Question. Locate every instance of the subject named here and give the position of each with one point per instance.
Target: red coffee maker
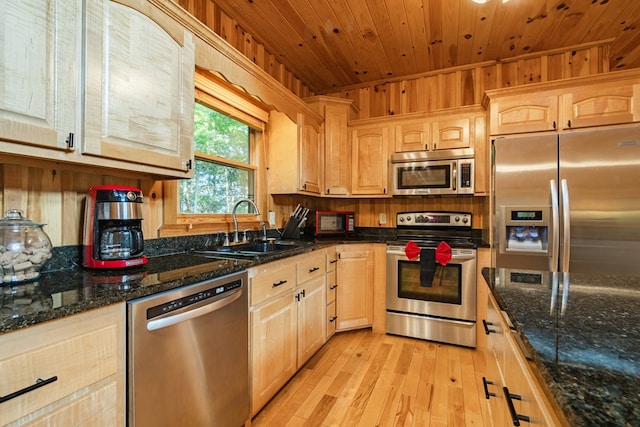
(113, 227)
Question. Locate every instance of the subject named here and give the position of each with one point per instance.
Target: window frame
(214, 92)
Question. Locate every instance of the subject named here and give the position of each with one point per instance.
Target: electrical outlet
(272, 218)
(382, 218)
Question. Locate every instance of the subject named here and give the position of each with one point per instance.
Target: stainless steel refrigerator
(567, 258)
(569, 202)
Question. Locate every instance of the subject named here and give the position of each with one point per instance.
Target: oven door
(451, 295)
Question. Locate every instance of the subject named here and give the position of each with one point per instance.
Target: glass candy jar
(24, 248)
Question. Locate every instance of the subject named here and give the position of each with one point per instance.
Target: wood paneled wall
(226, 27)
(54, 194)
(464, 86)
(368, 210)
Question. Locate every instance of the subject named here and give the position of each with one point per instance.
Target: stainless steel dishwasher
(188, 355)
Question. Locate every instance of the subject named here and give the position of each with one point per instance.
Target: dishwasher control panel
(195, 298)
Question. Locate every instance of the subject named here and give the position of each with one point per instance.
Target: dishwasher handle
(164, 322)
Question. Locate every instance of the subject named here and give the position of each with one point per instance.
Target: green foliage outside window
(217, 185)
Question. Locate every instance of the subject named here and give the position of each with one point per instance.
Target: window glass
(223, 147)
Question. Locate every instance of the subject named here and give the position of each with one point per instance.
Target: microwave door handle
(566, 235)
(454, 175)
(555, 227)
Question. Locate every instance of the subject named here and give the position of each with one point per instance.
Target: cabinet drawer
(332, 259)
(270, 280)
(331, 287)
(79, 350)
(310, 266)
(331, 318)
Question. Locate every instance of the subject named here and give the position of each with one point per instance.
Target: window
(223, 172)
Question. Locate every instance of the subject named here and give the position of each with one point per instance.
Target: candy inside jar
(24, 248)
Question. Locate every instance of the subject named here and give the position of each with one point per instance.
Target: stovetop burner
(428, 228)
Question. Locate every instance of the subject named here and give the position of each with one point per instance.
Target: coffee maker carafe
(113, 227)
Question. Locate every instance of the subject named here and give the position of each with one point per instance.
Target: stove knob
(408, 217)
(465, 220)
(401, 219)
(457, 219)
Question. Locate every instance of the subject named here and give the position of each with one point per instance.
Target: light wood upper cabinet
(39, 74)
(532, 112)
(294, 156)
(82, 356)
(412, 136)
(603, 99)
(139, 85)
(452, 133)
(601, 104)
(337, 113)
(310, 160)
(370, 153)
(129, 106)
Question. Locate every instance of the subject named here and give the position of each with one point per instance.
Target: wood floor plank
(372, 379)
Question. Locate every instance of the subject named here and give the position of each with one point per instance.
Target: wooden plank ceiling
(336, 44)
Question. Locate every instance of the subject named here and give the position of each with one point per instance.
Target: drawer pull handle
(512, 409)
(486, 383)
(281, 282)
(486, 327)
(333, 319)
(39, 383)
(333, 261)
(311, 270)
(333, 287)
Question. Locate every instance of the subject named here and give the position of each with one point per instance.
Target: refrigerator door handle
(566, 237)
(555, 229)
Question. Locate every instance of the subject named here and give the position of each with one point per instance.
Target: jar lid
(13, 219)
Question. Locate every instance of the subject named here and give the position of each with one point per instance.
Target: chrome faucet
(235, 219)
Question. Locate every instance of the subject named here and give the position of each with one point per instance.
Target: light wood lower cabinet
(83, 357)
(354, 297)
(511, 387)
(287, 320)
(273, 348)
(332, 286)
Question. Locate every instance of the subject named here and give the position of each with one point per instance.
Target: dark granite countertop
(67, 288)
(585, 341)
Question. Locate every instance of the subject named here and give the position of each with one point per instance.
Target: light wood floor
(362, 378)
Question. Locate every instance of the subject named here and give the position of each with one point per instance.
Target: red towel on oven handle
(443, 253)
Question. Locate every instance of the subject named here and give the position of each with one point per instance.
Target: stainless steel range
(426, 299)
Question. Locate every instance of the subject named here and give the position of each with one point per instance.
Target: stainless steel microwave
(432, 172)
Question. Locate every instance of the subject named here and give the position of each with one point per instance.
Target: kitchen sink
(252, 249)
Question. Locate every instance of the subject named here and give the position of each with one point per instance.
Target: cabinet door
(524, 113)
(451, 133)
(526, 397)
(312, 319)
(39, 72)
(84, 357)
(139, 86)
(310, 159)
(354, 297)
(413, 136)
(337, 154)
(273, 348)
(603, 104)
(370, 147)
